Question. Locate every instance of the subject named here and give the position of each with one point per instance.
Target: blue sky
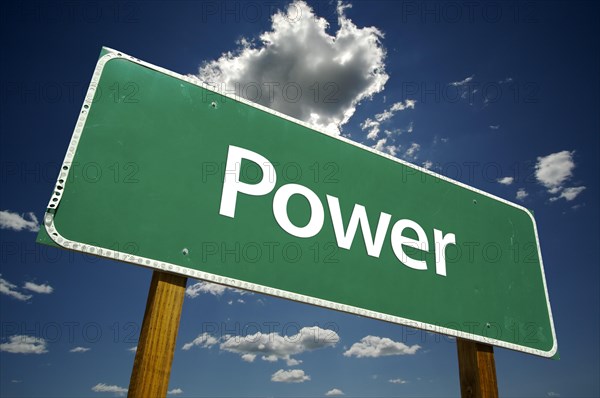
(501, 96)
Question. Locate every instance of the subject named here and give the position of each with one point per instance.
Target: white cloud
(175, 391)
(411, 152)
(373, 126)
(132, 349)
(495, 127)
(374, 347)
(553, 170)
(427, 164)
(14, 221)
(10, 290)
(335, 392)
(522, 194)
(199, 288)
(80, 349)
(462, 82)
(299, 69)
(568, 194)
(398, 106)
(204, 340)
(196, 289)
(101, 387)
(41, 289)
(381, 146)
(270, 347)
(397, 381)
(506, 180)
(22, 344)
(290, 376)
(293, 362)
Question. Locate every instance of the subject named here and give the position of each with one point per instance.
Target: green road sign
(164, 172)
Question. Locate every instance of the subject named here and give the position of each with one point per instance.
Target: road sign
(165, 172)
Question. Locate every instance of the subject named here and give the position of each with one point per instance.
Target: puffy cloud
(80, 349)
(427, 164)
(101, 387)
(204, 340)
(374, 347)
(301, 70)
(553, 170)
(335, 392)
(271, 347)
(22, 344)
(290, 376)
(175, 391)
(17, 222)
(397, 381)
(11, 290)
(41, 289)
(522, 194)
(506, 180)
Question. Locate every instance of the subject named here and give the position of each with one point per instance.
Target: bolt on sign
(166, 172)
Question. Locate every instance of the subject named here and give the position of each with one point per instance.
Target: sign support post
(156, 346)
(477, 370)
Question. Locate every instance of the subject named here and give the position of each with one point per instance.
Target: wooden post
(156, 346)
(477, 370)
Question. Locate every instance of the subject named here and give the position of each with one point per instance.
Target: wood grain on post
(477, 370)
(156, 346)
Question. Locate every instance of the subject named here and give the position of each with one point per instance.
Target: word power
(344, 237)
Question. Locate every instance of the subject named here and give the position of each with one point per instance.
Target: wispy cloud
(569, 194)
(382, 147)
(304, 71)
(199, 288)
(428, 164)
(290, 376)
(374, 347)
(18, 222)
(411, 152)
(10, 289)
(80, 349)
(397, 381)
(41, 289)
(204, 340)
(132, 349)
(463, 81)
(22, 344)
(495, 126)
(373, 127)
(101, 387)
